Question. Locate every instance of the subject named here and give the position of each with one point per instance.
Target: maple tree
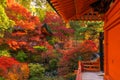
(22, 16)
(9, 69)
(57, 25)
(6, 63)
(68, 62)
(27, 30)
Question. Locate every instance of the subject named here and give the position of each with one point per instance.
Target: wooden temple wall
(112, 42)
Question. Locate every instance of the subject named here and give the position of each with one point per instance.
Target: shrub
(34, 78)
(11, 69)
(52, 78)
(70, 76)
(20, 72)
(51, 42)
(21, 56)
(1, 78)
(36, 71)
(6, 63)
(4, 53)
(24, 71)
(40, 48)
(35, 58)
(53, 64)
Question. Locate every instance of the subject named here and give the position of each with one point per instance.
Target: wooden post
(101, 37)
(79, 75)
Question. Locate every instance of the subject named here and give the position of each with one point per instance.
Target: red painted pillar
(79, 74)
(112, 42)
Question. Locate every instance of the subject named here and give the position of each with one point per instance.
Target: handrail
(93, 66)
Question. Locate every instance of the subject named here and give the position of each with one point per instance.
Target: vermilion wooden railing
(92, 66)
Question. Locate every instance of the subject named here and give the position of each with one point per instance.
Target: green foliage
(93, 29)
(86, 30)
(35, 58)
(51, 40)
(36, 71)
(21, 56)
(40, 12)
(40, 48)
(74, 24)
(3, 3)
(53, 64)
(70, 76)
(5, 53)
(35, 78)
(37, 7)
(47, 78)
(53, 78)
(25, 3)
(5, 22)
(1, 78)
(78, 29)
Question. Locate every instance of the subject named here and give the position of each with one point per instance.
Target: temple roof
(81, 9)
